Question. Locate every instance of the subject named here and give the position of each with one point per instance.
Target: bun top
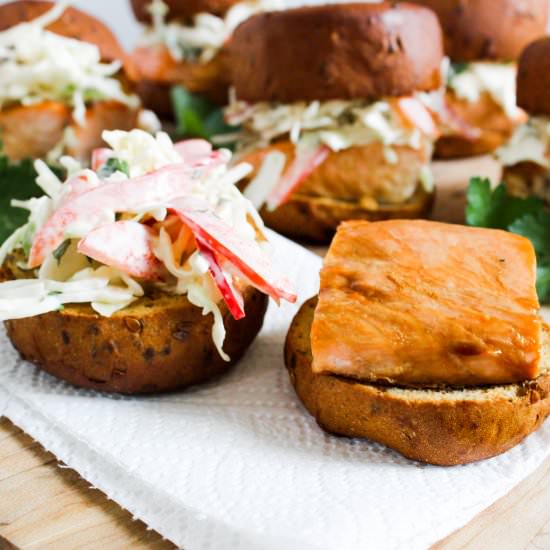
(72, 24)
(533, 82)
(343, 51)
(183, 9)
(477, 30)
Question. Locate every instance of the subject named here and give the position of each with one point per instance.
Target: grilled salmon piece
(155, 64)
(31, 131)
(418, 303)
(358, 173)
(104, 115)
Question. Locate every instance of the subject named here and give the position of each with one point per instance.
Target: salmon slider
(483, 39)
(425, 337)
(185, 43)
(526, 158)
(63, 83)
(147, 273)
(325, 100)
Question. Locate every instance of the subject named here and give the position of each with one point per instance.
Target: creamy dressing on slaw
(201, 40)
(74, 278)
(529, 143)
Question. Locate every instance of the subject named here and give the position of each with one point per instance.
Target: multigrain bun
(355, 183)
(72, 24)
(495, 128)
(476, 30)
(183, 9)
(443, 427)
(533, 82)
(159, 343)
(341, 51)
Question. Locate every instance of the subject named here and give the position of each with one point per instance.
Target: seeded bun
(72, 24)
(476, 30)
(444, 427)
(343, 51)
(159, 343)
(533, 82)
(183, 9)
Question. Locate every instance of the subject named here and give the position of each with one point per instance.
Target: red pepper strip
(124, 245)
(306, 161)
(247, 257)
(231, 296)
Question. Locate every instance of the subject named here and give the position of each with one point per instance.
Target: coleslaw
(149, 213)
(318, 127)
(529, 143)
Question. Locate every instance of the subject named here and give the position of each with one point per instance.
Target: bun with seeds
(332, 124)
(425, 337)
(147, 273)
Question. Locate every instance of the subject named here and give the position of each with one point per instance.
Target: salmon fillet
(32, 131)
(419, 303)
(357, 173)
(155, 64)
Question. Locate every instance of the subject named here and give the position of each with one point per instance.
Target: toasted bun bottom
(456, 426)
(355, 183)
(155, 345)
(154, 66)
(496, 128)
(528, 178)
(316, 219)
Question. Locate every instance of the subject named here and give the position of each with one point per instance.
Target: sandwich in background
(526, 157)
(185, 45)
(64, 81)
(425, 337)
(483, 39)
(325, 97)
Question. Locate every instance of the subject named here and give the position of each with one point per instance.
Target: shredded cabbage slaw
(86, 263)
(326, 125)
(529, 143)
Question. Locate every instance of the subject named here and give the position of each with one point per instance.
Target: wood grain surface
(44, 505)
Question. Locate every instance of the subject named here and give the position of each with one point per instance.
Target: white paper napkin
(239, 464)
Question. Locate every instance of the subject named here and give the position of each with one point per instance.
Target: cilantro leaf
(196, 116)
(523, 216)
(113, 165)
(17, 181)
(59, 252)
(495, 208)
(536, 227)
(543, 283)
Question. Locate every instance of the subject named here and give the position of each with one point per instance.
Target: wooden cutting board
(44, 505)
